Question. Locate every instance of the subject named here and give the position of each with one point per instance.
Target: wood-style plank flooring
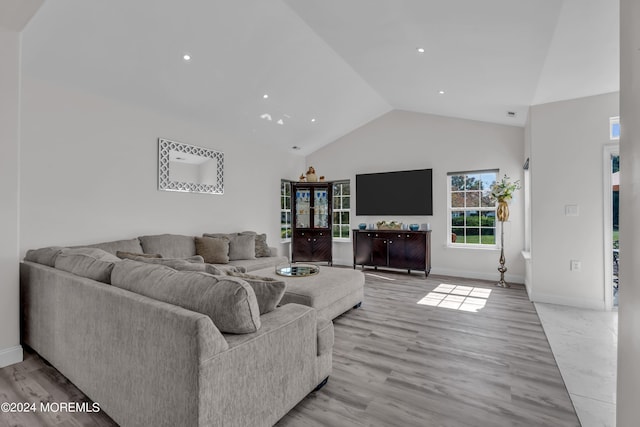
(449, 361)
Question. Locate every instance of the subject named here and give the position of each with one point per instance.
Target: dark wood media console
(402, 249)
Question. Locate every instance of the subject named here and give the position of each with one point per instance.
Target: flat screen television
(395, 193)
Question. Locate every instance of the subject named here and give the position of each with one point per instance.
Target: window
(285, 210)
(472, 214)
(341, 209)
(614, 128)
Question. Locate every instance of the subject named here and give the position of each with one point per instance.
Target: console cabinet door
(397, 250)
(416, 251)
(321, 246)
(363, 248)
(379, 252)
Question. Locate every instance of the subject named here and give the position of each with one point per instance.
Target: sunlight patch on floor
(380, 277)
(454, 297)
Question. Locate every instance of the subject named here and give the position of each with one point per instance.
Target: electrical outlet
(575, 265)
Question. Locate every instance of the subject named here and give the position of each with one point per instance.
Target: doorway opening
(611, 224)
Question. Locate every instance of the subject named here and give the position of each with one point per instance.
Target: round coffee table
(297, 270)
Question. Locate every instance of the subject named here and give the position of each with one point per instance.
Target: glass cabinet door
(303, 208)
(321, 208)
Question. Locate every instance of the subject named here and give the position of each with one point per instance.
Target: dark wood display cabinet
(407, 250)
(311, 223)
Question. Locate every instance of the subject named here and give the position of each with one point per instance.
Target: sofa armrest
(278, 366)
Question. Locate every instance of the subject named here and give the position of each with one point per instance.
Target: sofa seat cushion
(325, 335)
(229, 302)
(128, 245)
(92, 263)
(46, 256)
(269, 291)
(249, 265)
(169, 245)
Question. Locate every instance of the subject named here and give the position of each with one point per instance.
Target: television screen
(395, 193)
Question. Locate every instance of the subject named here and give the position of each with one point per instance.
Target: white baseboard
(9, 356)
(509, 278)
(569, 301)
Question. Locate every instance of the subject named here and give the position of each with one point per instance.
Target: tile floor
(584, 343)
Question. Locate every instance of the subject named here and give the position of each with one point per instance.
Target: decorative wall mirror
(187, 168)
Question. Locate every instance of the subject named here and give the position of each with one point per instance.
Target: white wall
(10, 350)
(567, 142)
(628, 410)
(89, 173)
(403, 140)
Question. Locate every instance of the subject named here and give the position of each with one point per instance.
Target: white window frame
(283, 211)
(339, 210)
(451, 209)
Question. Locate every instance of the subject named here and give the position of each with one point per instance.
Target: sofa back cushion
(46, 256)
(169, 245)
(92, 263)
(229, 302)
(129, 245)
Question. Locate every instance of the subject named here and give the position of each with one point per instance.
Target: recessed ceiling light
(295, 147)
(186, 57)
(441, 92)
(313, 120)
(511, 114)
(265, 96)
(420, 50)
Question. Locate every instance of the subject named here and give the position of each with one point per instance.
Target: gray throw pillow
(92, 263)
(45, 256)
(268, 291)
(229, 302)
(242, 247)
(181, 264)
(214, 250)
(262, 248)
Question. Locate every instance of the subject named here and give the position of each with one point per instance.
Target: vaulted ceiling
(326, 67)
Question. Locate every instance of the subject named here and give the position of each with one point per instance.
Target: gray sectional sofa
(156, 346)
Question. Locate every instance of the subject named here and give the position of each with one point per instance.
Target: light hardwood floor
(397, 363)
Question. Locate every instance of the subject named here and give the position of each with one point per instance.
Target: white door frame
(609, 151)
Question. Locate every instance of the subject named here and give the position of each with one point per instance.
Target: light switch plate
(571, 210)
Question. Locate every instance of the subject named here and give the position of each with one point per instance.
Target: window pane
(457, 219)
(457, 182)
(337, 189)
(336, 217)
(488, 219)
(473, 182)
(459, 235)
(472, 218)
(487, 180)
(336, 230)
(344, 217)
(473, 199)
(488, 236)
(282, 203)
(346, 189)
(345, 231)
(346, 203)
(457, 200)
(485, 201)
(336, 202)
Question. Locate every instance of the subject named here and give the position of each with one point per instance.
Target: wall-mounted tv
(395, 193)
